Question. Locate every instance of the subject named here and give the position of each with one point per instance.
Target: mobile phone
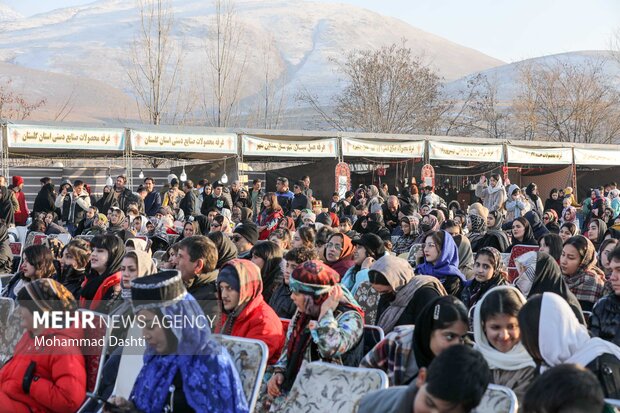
(106, 404)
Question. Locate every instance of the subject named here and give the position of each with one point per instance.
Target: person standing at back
(21, 214)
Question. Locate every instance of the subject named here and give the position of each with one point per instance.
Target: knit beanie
(229, 275)
(249, 231)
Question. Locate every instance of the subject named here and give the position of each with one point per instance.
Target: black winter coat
(605, 320)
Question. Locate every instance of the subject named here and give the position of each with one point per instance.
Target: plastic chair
(330, 388)
(7, 305)
(613, 403)
(16, 248)
(5, 278)
(587, 315)
(130, 365)
(368, 299)
(498, 399)
(517, 251)
(372, 336)
(250, 358)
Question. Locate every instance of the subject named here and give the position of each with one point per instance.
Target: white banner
(540, 156)
(466, 152)
(321, 148)
(378, 149)
(43, 137)
(225, 143)
(596, 157)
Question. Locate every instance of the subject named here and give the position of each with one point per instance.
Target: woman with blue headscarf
(441, 260)
(184, 369)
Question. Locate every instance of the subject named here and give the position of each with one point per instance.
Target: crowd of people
(305, 276)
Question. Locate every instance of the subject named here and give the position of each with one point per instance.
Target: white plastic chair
(330, 388)
(250, 358)
(498, 399)
(7, 305)
(130, 365)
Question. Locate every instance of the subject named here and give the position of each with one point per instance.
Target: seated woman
(100, 225)
(567, 230)
(596, 232)
(244, 311)
(489, 272)
(75, 258)
(583, 277)
(184, 370)
(304, 237)
(226, 249)
(50, 378)
(52, 227)
(268, 257)
(466, 256)
(552, 244)
(367, 249)
(498, 338)
(550, 219)
(441, 260)
(339, 253)
(403, 352)
(521, 233)
(103, 278)
(402, 295)
(270, 216)
(281, 301)
(409, 226)
(604, 253)
(478, 233)
(37, 262)
(282, 237)
(552, 335)
(328, 326)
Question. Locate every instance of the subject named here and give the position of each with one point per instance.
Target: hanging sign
(385, 149)
(428, 176)
(466, 152)
(320, 148)
(596, 157)
(43, 137)
(540, 156)
(142, 141)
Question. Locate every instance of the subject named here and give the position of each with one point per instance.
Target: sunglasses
(236, 239)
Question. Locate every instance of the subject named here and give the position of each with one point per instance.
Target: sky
(510, 30)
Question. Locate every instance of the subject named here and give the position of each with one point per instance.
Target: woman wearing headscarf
(493, 195)
(489, 272)
(516, 204)
(335, 335)
(339, 253)
(596, 232)
(402, 295)
(554, 202)
(498, 337)
(45, 200)
(540, 273)
(429, 223)
(268, 257)
(550, 219)
(569, 214)
(184, 368)
(405, 351)
(366, 251)
(49, 378)
(244, 311)
(203, 224)
(226, 249)
(552, 335)
(583, 277)
(117, 225)
(533, 198)
(479, 236)
(522, 233)
(409, 225)
(103, 276)
(73, 262)
(107, 200)
(441, 260)
(6, 256)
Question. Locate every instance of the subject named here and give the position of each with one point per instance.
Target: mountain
(506, 77)
(8, 14)
(93, 41)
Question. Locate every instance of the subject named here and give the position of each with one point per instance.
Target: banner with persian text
(320, 148)
(43, 137)
(465, 152)
(142, 141)
(596, 157)
(378, 149)
(540, 156)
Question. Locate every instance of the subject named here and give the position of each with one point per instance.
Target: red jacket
(102, 292)
(270, 222)
(60, 376)
(22, 216)
(257, 320)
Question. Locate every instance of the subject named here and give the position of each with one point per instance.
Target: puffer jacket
(605, 320)
(282, 303)
(58, 380)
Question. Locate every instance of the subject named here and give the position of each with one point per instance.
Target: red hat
(17, 180)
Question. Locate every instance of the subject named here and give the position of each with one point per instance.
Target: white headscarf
(498, 186)
(517, 358)
(562, 340)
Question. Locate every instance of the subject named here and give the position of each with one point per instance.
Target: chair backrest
(10, 334)
(331, 388)
(498, 399)
(64, 238)
(586, 316)
(517, 251)
(372, 336)
(85, 237)
(285, 323)
(368, 299)
(5, 278)
(250, 358)
(22, 231)
(16, 248)
(95, 356)
(613, 403)
(7, 305)
(130, 365)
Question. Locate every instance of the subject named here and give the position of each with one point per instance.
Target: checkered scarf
(588, 284)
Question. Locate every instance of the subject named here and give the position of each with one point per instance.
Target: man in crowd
(300, 201)
(123, 195)
(152, 201)
(431, 198)
(78, 203)
(285, 196)
(256, 197)
(188, 202)
(218, 199)
(235, 190)
(245, 236)
(197, 260)
(390, 212)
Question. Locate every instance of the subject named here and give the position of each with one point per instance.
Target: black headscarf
(226, 249)
(116, 252)
(203, 224)
(539, 229)
(528, 235)
(529, 191)
(44, 202)
(548, 279)
(106, 201)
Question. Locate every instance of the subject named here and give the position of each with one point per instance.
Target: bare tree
(568, 102)
(226, 62)
(388, 90)
(156, 60)
(14, 105)
(66, 107)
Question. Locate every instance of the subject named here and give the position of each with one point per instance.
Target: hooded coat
(44, 202)
(253, 317)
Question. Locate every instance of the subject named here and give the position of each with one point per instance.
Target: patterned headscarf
(315, 280)
(45, 294)
(524, 281)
